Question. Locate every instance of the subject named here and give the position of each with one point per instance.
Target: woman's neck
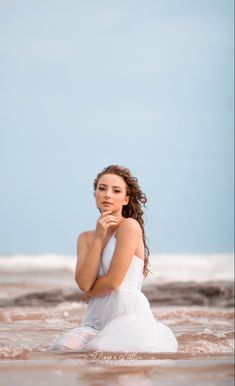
(119, 216)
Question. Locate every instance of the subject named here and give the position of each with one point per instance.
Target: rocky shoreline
(212, 294)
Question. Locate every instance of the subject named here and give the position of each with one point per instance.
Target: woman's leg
(74, 339)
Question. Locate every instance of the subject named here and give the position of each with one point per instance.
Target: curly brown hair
(133, 208)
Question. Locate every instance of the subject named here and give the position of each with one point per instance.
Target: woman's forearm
(87, 273)
(101, 287)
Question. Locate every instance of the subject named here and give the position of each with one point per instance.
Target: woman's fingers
(105, 212)
(105, 221)
(85, 297)
(107, 217)
(110, 219)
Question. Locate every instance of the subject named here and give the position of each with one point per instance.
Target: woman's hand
(105, 221)
(85, 297)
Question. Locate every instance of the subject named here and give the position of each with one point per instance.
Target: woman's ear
(127, 199)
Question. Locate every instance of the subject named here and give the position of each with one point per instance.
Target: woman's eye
(101, 188)
(117, 191)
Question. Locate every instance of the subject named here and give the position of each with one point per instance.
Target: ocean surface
(173, 267)
(192, 294)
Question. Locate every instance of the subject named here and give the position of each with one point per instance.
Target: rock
(216, 294)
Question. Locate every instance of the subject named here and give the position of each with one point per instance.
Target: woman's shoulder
(130, 224)
(86, 236)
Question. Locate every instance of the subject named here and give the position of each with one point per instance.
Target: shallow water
(205, 355)
(199, 330)
(205, 336)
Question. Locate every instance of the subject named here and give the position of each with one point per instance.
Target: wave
(200, 331)
(165, 267)
(193, 347)
(207, 343)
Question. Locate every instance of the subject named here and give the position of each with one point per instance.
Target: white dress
(121, 321)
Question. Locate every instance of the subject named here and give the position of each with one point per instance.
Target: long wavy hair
(134, 207)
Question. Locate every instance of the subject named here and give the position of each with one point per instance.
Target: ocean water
(39, 299)
(165, 268)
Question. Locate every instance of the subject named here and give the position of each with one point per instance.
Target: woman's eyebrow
(114, 186)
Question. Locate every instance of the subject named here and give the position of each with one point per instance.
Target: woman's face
(110, 193)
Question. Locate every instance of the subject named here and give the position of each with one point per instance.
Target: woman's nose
(107, 193)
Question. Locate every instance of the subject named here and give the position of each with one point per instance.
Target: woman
(111, 262)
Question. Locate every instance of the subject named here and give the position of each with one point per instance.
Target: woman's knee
(74, 339)
(59, 347)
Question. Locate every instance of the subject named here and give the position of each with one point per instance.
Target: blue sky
(144, 84)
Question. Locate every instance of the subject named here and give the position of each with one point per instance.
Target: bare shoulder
(130, 225)
(85, 237)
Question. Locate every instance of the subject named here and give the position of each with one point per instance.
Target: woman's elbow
(114, 282)
(81, 285)
(83, 288)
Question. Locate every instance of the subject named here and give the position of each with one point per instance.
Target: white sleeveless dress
(121, 321)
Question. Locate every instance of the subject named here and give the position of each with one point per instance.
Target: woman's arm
(88, 254)
(127, 240)
(87, 261)
(101, 287)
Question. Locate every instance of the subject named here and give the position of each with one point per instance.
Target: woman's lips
(107, 203)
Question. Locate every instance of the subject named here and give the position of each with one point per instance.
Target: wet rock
(216, 294)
